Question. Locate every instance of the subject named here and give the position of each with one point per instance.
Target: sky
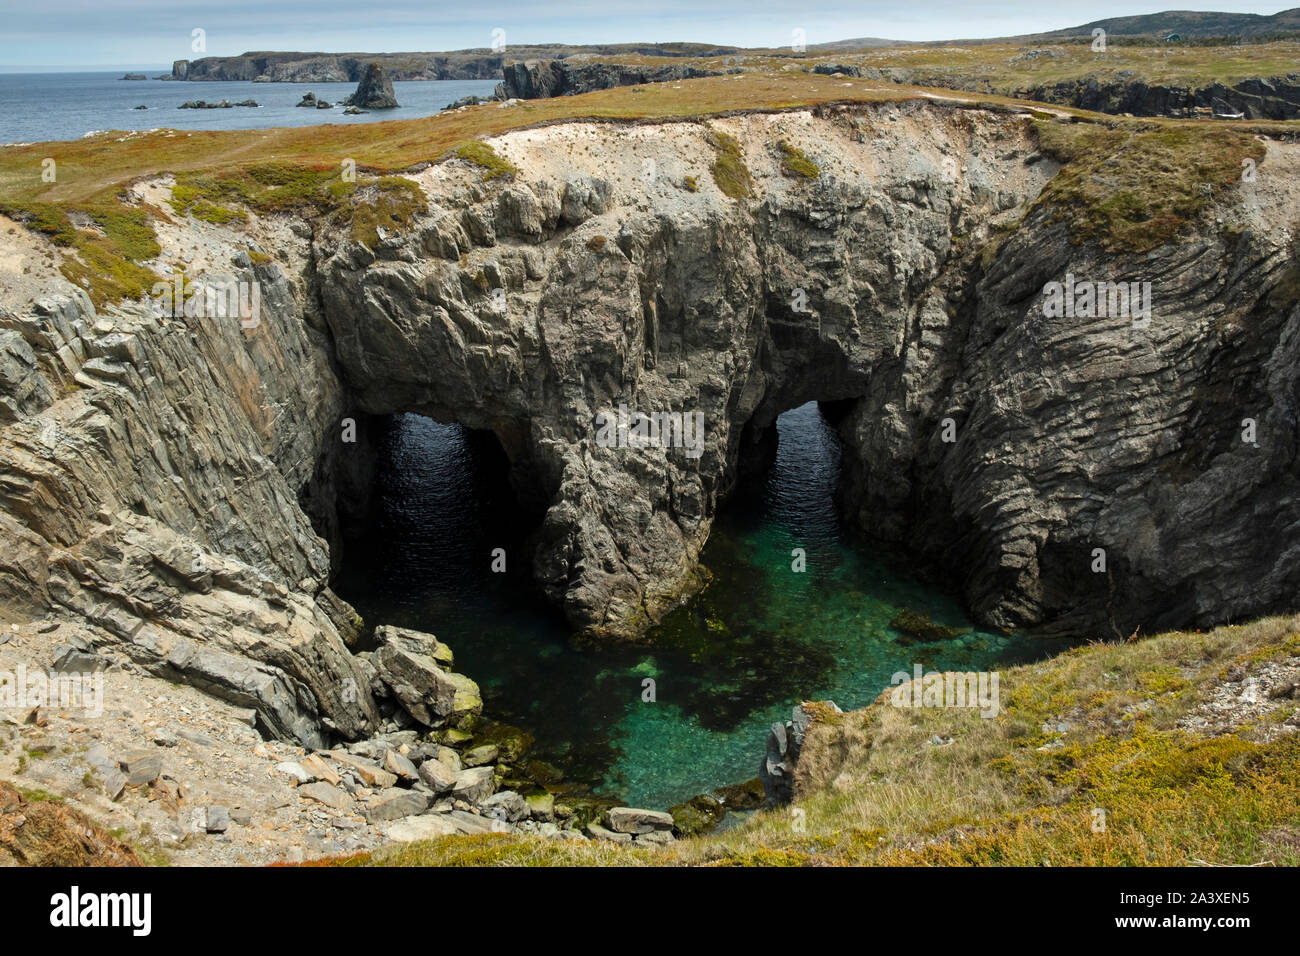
(152, 33)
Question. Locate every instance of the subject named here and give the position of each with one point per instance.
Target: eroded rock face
(531, 307)
(374, 91)
(598, 277)
(150, 475)
(540, 79)
(157, 477)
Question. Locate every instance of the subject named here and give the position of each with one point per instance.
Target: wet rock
(914, 626)
(698, 815)
(480, 756)
(742, 796)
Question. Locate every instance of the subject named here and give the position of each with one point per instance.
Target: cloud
(87, 32)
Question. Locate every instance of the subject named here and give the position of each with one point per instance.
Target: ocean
(35, 107)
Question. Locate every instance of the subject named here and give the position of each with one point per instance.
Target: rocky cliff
(1272, 98)
(539, 79)
(477, 64)
(156, 476)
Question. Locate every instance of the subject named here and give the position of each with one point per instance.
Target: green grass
(729, 170)
(221, 175)
(795, 163)
(37, 795)
(104, 255)
(486, 158)
(1132, 187)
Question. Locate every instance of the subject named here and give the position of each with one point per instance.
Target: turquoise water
(761, 638)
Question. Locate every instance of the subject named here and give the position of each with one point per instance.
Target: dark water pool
(761, 638)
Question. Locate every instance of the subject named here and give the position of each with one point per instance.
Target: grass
(104, 253)
(1132, 187)
(486, 158)
(1094, 729)
(221, 175)
(795, 163)
(729, 170)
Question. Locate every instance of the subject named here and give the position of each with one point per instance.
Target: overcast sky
(150, 33)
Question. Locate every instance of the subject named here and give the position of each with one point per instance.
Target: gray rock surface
(178, 486)
(374, 91)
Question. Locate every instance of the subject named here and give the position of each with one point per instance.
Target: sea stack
(374, 92)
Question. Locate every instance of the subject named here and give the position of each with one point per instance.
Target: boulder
(597, 832)
(372, 775)
(632, 820)
(394, 804)
(508, 804)
(217, 819)
(320, 770)
(470, 823)
(295, 772)
(742, 796)
(324, 793)
(698, 815)
(473, 784)
(426, 827)
(438, 775)
(141, 768)
(407, 663)
(541, 805)
(395, 763)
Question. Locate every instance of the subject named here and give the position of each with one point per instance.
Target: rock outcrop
(1274, 98)
(539, 79)
(453, 65)
(374, 92)
(157, 476)
(557, 296)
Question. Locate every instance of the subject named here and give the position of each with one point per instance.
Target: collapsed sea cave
(798, 608)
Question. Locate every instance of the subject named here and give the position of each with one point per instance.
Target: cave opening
(796, 610)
